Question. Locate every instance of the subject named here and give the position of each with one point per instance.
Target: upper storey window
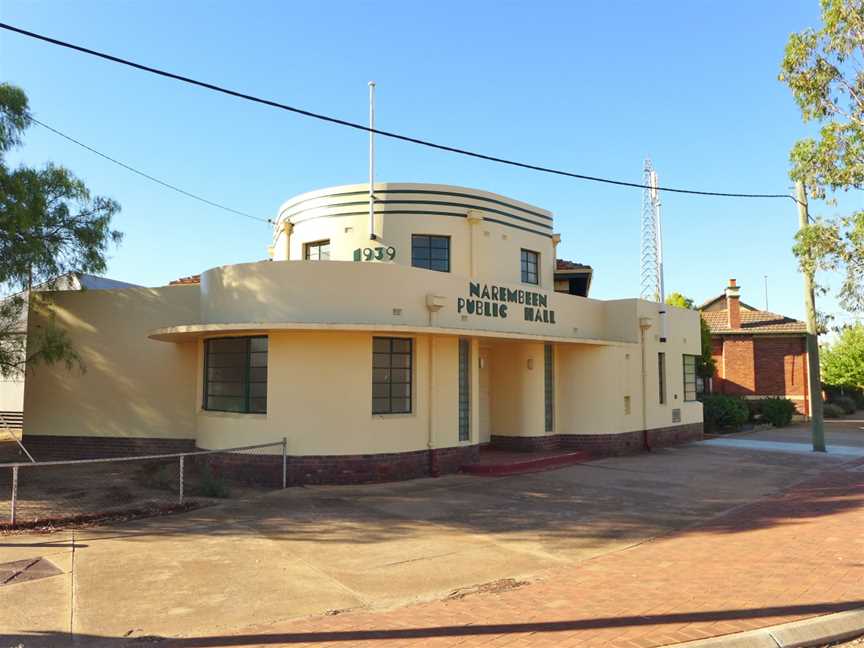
(430, 252)
(530, 263)
(317, 251)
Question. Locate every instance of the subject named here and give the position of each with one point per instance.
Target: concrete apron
(309, 551)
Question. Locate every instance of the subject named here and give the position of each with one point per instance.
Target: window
(430, 252)
(391, 375)
(661, 369)
(689, 377)
(530, 262)
(317, 251)
(235, 375)
(464, 389)
(549, 386)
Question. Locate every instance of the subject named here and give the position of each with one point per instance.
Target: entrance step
(496, 463)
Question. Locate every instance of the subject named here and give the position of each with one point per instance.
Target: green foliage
(724, 411)
(831, 411)
(824, 69)
(50, 225)
(211, 485)
(778, 411)
(842, 363)
(845, 403)
(679, 301)
(705, 364)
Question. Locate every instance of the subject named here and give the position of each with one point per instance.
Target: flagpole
(372, 235)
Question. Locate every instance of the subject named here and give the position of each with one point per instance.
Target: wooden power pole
(813, 373)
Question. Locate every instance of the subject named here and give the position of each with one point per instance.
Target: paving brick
(758, 565)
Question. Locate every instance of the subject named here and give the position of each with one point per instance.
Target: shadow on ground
(60, 640)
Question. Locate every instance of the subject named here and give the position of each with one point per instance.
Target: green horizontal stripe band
(421, 191)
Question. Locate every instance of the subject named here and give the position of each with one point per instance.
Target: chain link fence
(53, 492)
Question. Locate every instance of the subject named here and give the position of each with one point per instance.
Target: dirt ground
(52, 494)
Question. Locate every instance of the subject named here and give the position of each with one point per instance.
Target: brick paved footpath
(791, 556)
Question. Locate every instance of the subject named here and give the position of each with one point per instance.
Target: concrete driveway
(312, 551)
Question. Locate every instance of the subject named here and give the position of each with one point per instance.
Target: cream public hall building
(377, 358)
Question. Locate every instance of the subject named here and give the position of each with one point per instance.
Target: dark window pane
(400, 390)
(401, 345)
(391, 387)
(381, 345)
(235, 376)
(380, 360)
(225, 403)
(380, 405)
(400, 375)
(430, 252)
(228, 345)
(401, 405)
(225, 373)
(529, 261)
(226, 389)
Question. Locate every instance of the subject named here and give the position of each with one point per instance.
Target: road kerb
(816, 631)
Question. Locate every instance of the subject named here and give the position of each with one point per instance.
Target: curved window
(235, 374)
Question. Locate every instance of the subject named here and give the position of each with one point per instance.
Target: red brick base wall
(265, 468)
(603, 445)
(525, 443)
(343, 469)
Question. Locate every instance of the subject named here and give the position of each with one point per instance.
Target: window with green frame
(464, 389)
(689, 362)
(392, 360)
(235, 375)
(549, 386)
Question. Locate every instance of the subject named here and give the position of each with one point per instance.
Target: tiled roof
(753, 322)
(183, 281)
(563, 264)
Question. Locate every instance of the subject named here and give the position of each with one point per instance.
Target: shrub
(778, 411)
(755, 408)
(724, 411)
(211, 485)
(845, 403)
(830, 410)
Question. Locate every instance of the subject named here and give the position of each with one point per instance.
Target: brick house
(757, 353)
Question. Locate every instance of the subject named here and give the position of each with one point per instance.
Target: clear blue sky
(592, 87)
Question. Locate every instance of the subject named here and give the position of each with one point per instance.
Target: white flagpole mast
(372, 235)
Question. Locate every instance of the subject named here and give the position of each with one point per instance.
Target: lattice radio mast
(651, 276)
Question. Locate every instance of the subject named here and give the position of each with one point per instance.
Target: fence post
(284, 462)
(182, 457)
(14, 494)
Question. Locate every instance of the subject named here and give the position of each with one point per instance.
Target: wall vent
(676, 415)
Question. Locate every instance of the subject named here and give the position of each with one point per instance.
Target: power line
(383, 133)
(147, 175)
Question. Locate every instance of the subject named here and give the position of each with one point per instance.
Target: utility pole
(812, 340)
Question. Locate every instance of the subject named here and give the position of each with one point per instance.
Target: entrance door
(485, 403)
